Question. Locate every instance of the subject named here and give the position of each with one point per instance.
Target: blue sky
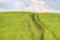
(53, 4)
(30, 5)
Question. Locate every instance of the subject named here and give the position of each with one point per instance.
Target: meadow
(29, 26)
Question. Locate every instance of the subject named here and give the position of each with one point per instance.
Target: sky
(30, 5)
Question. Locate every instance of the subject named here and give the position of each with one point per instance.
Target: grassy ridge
(29, 26)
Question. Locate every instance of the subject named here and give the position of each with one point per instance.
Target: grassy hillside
(29, 26)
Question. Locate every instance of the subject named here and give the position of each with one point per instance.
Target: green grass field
(29, 26)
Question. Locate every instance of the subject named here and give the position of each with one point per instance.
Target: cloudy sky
(30, 5)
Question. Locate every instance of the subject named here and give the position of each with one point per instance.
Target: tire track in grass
(54, 35)
(41, 26)
(38, 26)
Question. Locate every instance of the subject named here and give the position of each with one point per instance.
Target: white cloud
(36, 6)
(39, 6)
(35, 1)
(33, 8)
